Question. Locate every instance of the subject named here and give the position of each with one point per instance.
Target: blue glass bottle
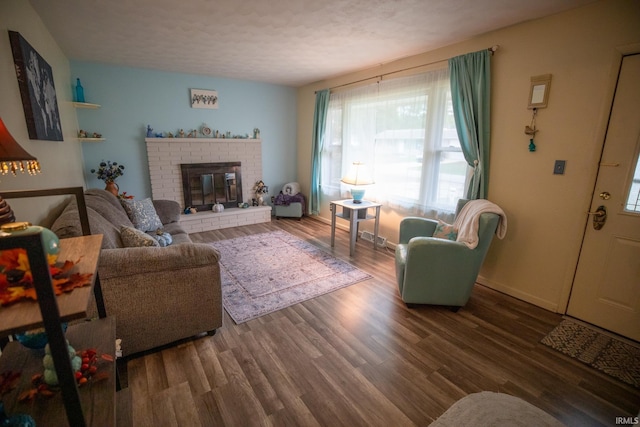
(79, 91)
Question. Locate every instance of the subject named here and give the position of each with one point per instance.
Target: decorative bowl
(37, 338)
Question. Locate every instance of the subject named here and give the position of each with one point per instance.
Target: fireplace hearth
(205, 184)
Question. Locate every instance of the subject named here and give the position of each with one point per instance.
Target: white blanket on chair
(468, 220)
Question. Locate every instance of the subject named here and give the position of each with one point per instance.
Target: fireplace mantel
(152, 140)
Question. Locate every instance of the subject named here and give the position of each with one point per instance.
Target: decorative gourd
(50, 375)
(217, 208)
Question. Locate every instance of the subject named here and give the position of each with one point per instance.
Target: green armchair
(438, 271)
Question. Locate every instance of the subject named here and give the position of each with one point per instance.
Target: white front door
(606, 288)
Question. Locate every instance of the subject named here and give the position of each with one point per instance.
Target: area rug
(266, 272)
(489, 409)
(612, 356)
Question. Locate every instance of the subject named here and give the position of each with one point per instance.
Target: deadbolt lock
(605, 195)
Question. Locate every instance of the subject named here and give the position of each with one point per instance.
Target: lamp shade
(13, 157)
(358, 175)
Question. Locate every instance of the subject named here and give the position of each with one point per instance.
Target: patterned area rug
(266, 272)
(614, 357)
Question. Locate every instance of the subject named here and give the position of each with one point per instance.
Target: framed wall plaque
(201, 98)
(539, 91)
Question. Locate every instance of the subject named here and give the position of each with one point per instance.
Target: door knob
(599, 217)
(605, 195)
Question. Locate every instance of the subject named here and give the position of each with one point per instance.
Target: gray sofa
(157, 294)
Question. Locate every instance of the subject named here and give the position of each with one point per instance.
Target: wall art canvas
(37, 90)
(204, 99)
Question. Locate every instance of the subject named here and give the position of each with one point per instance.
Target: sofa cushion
(107, 205)
(68, 225)
(134, 238)
(142, 214)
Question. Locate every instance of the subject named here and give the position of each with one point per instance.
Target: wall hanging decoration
(201, 98)
(539, 91)
(531, 130)
(538, 98)
(37, 90)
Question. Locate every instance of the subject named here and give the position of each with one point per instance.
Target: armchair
(438, 271)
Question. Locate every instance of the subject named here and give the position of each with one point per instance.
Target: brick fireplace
(165, 156)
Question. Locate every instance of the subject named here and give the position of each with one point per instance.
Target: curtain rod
(491, 49)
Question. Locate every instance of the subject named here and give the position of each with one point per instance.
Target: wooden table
(94, 404)
(354, 213)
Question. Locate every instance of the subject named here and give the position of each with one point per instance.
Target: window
(633, 198)
(404, 131)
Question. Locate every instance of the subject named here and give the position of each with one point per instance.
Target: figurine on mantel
(256, 133)
(261, 192)
(192, 133)
(149, 131)
(181, 134)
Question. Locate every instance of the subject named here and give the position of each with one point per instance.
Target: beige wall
(61, 162)
(546, 212)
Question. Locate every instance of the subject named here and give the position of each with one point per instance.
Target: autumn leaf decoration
(16, 281)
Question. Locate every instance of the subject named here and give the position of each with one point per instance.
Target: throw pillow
(445, 231)
(163, 238)
(134, 238)
(142, 214)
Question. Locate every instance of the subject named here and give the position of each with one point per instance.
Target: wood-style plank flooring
(359, 357)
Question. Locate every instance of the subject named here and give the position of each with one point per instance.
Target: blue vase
(79, 91)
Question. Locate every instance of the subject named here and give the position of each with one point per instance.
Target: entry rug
(612, 356)
(266, 272)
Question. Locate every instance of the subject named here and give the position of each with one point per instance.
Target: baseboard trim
(524, 296)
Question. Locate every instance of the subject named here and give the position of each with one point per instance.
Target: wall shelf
(86, 105)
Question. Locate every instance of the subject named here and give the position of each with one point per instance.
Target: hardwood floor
(359, 357)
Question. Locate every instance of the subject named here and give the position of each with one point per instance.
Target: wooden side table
(354, 213)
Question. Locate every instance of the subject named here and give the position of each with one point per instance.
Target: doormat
(266, 272)
(612, 356)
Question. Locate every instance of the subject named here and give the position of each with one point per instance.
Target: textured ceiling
(289, 42)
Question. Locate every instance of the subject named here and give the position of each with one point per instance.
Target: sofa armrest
(135, 261)
(168, 210)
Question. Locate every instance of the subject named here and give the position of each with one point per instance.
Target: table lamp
(13, 158)
(358, 176)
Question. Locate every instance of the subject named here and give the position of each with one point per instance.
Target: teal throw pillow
(142, 214)
(445, 231)
(134, 238)
(163, 238)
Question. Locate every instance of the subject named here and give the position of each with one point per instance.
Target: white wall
(61, 161)
(546, 212)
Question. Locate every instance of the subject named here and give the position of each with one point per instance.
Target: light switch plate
(558, 168)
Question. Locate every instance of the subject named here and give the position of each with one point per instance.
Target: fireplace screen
(206, 184)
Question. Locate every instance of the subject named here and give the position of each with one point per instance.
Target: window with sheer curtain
(404, 131)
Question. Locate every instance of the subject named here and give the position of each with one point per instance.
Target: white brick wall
(165, 156)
